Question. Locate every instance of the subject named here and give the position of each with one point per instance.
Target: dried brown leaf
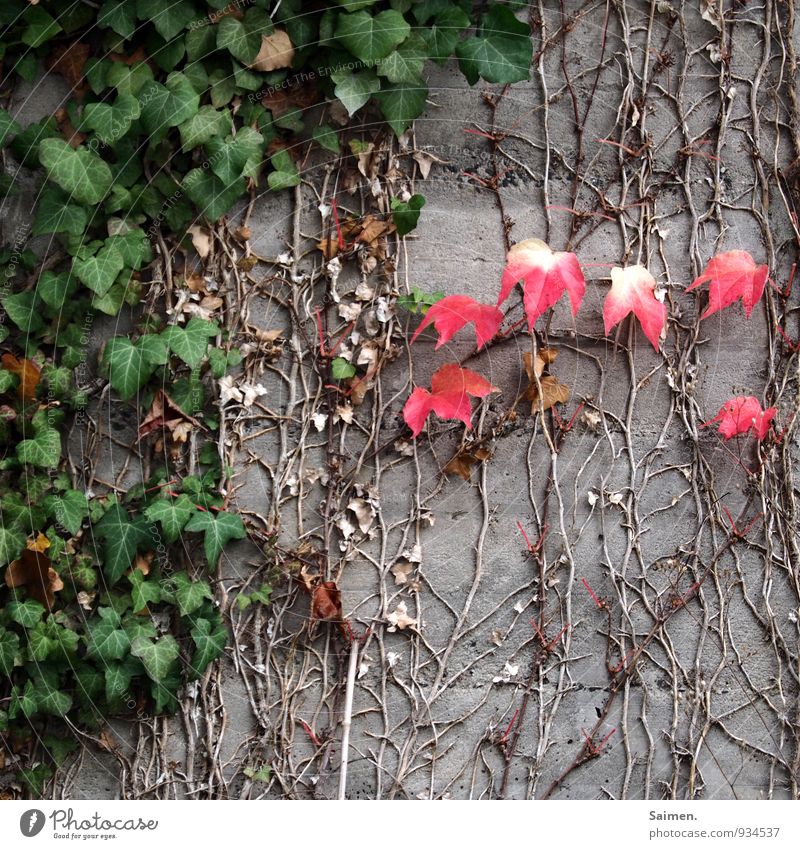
(28, 373)
(277, 51)
(33, 570)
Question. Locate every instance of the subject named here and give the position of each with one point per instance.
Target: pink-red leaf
(743, 414)
(731, 276)
(451, 387)
(450, 314)
(546, 275)
(633, 291)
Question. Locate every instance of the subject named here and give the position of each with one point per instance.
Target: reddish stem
(600, 604)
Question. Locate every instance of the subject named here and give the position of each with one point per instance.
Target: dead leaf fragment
(326, 602)
(33, 570)
(462, 461)
(399, 619)
(201, 239)
(69, 60)
(552, 391)
(277, 51)
(142, 562)
(425, 160)
(401, 571)
(165, 415)
(40, 543)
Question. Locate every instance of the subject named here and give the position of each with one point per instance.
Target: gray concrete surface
(711, 709)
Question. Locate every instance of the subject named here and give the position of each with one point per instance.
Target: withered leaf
(462, 461)
(326, 602)
(69, 60)
(165, 414)
(277, 51)
(552, 391)
(28, 373)
(33, 570)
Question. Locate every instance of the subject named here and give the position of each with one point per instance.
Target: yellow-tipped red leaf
(633, 291)
(545, 275)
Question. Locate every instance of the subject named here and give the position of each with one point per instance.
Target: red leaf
(451, 313)
(546, 276)
(743, 414)
(731, 276)
(451, 387)
(632, 292)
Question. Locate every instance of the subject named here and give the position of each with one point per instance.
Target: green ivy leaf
(51, 701)
(341, 369)
(118, 677)
(26, 613)
(189, 594)
(190, 343)
(156, 657)
(105, 639)
(119, 15)
(143, 592)
(22, 701)
(128, 79)
(401, 104)
(56, 290)
(154, 349)
(441, 36)
(81, 174)
(68, 509)
(111, 122)
(167, 106)
(41, 26)
(406, 214)
(405, 64)
(238, 39)
(210, 194)
(326, 137)
(236, 156)
(123, 537)
(9, 651)
(171, 515)
(8, 128)
(371, 38)
(501, 53)
(49, 640)
(210, 642)
(354, 90)
(54, 214)
(44, 450)
(133, 246)
(99, 272)
(128, 365)
(206, 124)
(22, 310)
(218, 531)
(168, 18)
(285, 174)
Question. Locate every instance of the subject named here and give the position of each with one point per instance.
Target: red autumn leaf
(743, 414)
(731, 276)
(546, 275)
(632, 291)
(450, 314)
(451, 387)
